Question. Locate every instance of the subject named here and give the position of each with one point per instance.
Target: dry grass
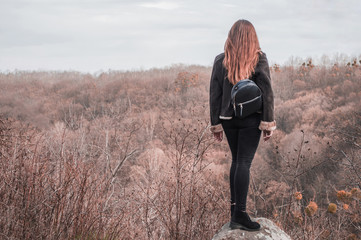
(127, 155)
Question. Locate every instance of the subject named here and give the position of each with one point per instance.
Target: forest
(129, 154)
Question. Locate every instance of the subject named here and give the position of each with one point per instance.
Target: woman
(242, 59)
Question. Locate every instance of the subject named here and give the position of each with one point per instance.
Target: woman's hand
(218, 136)
(267, 134)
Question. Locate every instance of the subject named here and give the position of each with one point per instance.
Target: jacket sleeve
(262, 74)
(215, 98)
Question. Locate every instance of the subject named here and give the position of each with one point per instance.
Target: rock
(268, 231)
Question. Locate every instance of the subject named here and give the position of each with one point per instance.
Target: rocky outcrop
(268, 231)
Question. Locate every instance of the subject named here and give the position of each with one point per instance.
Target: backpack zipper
(241, 104)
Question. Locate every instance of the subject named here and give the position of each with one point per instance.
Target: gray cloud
(89, 35)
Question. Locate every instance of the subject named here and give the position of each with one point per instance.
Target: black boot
(241, 220)
(232, 208)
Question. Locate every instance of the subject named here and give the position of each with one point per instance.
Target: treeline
(128, 155)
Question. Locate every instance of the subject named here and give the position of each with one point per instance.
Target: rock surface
(268, 231)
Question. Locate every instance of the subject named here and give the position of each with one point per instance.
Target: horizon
(324, 60)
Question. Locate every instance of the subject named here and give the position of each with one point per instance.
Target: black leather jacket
(220, 94)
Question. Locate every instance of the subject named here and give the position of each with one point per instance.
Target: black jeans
(243, 138)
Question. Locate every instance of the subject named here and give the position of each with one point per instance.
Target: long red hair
(241, 51)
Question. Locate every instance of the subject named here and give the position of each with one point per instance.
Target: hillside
(128, 155)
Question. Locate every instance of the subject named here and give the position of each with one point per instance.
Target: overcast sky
(93, 35)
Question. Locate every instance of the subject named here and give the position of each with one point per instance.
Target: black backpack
(246, 98)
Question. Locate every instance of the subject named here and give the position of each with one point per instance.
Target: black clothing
(220, 91)
(243, 137)
(241, 220)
